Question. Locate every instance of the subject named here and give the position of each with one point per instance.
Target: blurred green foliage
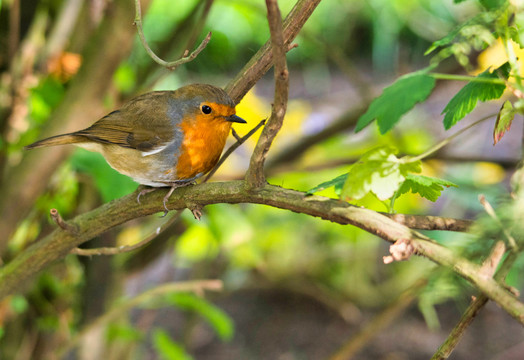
(168, 349)
(242, 243)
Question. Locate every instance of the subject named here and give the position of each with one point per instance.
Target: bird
(160, 138)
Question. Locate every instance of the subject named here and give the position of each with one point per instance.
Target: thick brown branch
(255, 174)
(422, 222)
(59, 243)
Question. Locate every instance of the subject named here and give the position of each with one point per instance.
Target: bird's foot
(144, 191)
(196, 210)
(170, 192)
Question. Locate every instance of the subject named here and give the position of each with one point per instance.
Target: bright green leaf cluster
(378, 171)
(474, 34)
(386, 176)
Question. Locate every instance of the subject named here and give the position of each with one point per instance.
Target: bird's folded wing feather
(132, 127)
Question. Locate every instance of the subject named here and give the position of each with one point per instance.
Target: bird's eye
(206, 109)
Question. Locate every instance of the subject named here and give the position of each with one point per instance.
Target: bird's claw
(143, 192)
(197, 212)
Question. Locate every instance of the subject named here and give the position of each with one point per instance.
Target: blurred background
(295, 287)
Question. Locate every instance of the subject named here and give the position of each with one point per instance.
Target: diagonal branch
(489, 267)
(17, 273)
(255, 174)
(261, 62)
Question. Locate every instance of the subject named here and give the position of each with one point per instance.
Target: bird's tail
(57, 140)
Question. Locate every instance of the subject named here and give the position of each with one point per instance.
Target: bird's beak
(237, 119)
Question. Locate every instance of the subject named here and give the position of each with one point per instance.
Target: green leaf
(467, 98)
(378, 171)
(493, 4)
(396, 100)
(167, 348)
(197, 243)
(337, 182)
(463, 32)
(504, 120)
(122, 332)
(427, 187)
(19, 304)
(514, 34)
(125, 77)
(215, 317)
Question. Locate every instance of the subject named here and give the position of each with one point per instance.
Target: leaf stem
(441, 76)
(444, 142)
(513, 61)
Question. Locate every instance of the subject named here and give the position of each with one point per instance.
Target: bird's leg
(167, 198)
(197, 212)
(145, 191)
(175, 185)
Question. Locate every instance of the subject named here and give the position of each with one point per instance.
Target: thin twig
(122, 308)
(255, 174)
(491, 212)
(128, 248)
(488, 267)
(229, 151)
(235, 134)
(379, 322)
(261, 62)
(447, 140)
(55, 215)
(172, 65)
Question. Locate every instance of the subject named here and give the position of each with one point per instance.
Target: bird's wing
(141, 124)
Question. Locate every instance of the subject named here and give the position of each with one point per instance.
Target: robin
(161, 138)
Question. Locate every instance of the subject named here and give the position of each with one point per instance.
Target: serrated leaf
(336, 182)
(515, 36)
(427, 187)
(484, 18)
(396, 100)
(504, 120)
(467, 98)
(378, 171)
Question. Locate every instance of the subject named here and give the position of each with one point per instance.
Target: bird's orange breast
(203, 143)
